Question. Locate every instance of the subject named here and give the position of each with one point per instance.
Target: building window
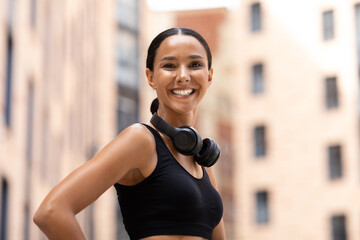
(33, 12)
(335, 162)
(332, 99)
(338, 227)
(127, 102)
(45, 146)
(10, 13)
(126, 14)
(8, 82)
(257, 79)
(259, 141)
(255, 17)
(127, 59)
(328, 25)
(29, 125)
(4, 208)
(262, 207)
(357, 24)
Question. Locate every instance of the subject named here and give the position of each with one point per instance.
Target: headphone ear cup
(208, 154)
(187, 141)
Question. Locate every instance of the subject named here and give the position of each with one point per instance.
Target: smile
(186, 92)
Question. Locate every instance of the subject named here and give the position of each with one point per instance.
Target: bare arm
(56, 215)
(219, 231)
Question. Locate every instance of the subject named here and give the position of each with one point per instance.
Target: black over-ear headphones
(188, 142)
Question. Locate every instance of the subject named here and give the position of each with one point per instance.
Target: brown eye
(169, 66)
(196, 65)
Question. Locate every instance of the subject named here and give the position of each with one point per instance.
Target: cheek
(163, 77)
(203, 78)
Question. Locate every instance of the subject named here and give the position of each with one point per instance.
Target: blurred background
(284, 107)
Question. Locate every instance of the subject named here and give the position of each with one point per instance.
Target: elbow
(43, 215)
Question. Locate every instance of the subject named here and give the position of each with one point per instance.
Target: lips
(183, 92)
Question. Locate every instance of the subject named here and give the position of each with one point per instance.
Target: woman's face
(180, 75)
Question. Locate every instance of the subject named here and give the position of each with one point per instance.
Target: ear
(150, 78)
(210, 76)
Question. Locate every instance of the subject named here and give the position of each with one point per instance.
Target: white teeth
(183, 92)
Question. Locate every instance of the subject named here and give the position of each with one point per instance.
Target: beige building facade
(297, 120)
(58, 93)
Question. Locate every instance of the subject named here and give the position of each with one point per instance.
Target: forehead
(180, 44)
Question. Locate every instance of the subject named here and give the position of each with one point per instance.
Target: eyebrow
(174, 58)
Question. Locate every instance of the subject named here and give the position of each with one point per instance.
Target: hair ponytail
(154, 105)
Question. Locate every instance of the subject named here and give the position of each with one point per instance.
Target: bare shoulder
(137, 132)
(129, 151)
(136, 141)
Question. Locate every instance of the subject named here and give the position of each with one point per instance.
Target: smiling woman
(161, 171)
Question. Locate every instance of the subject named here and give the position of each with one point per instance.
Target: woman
(163, 194)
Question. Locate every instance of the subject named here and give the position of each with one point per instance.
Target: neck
(178, 119)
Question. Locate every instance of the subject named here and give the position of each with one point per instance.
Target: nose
(183, 74)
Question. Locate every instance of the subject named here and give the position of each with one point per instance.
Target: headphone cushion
(208, 154)
(187, 141)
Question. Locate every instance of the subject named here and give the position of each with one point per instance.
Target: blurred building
(68, 84)
(297, 119)
(284, 107)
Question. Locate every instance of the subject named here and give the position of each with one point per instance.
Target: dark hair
(154, 106)
(156, 42)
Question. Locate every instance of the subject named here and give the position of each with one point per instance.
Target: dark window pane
(257, 79)
(8, 87)
(4, 208)
(255, 17)
(260, 144)
(335, 162)
(331, 93)
(338, 227)
(262, 211)
(328, 25)
(33, 12)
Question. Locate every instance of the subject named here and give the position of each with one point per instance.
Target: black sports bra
(170, 201)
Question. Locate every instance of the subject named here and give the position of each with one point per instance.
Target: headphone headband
(163, 126)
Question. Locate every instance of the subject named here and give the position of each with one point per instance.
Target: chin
(185, 110)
